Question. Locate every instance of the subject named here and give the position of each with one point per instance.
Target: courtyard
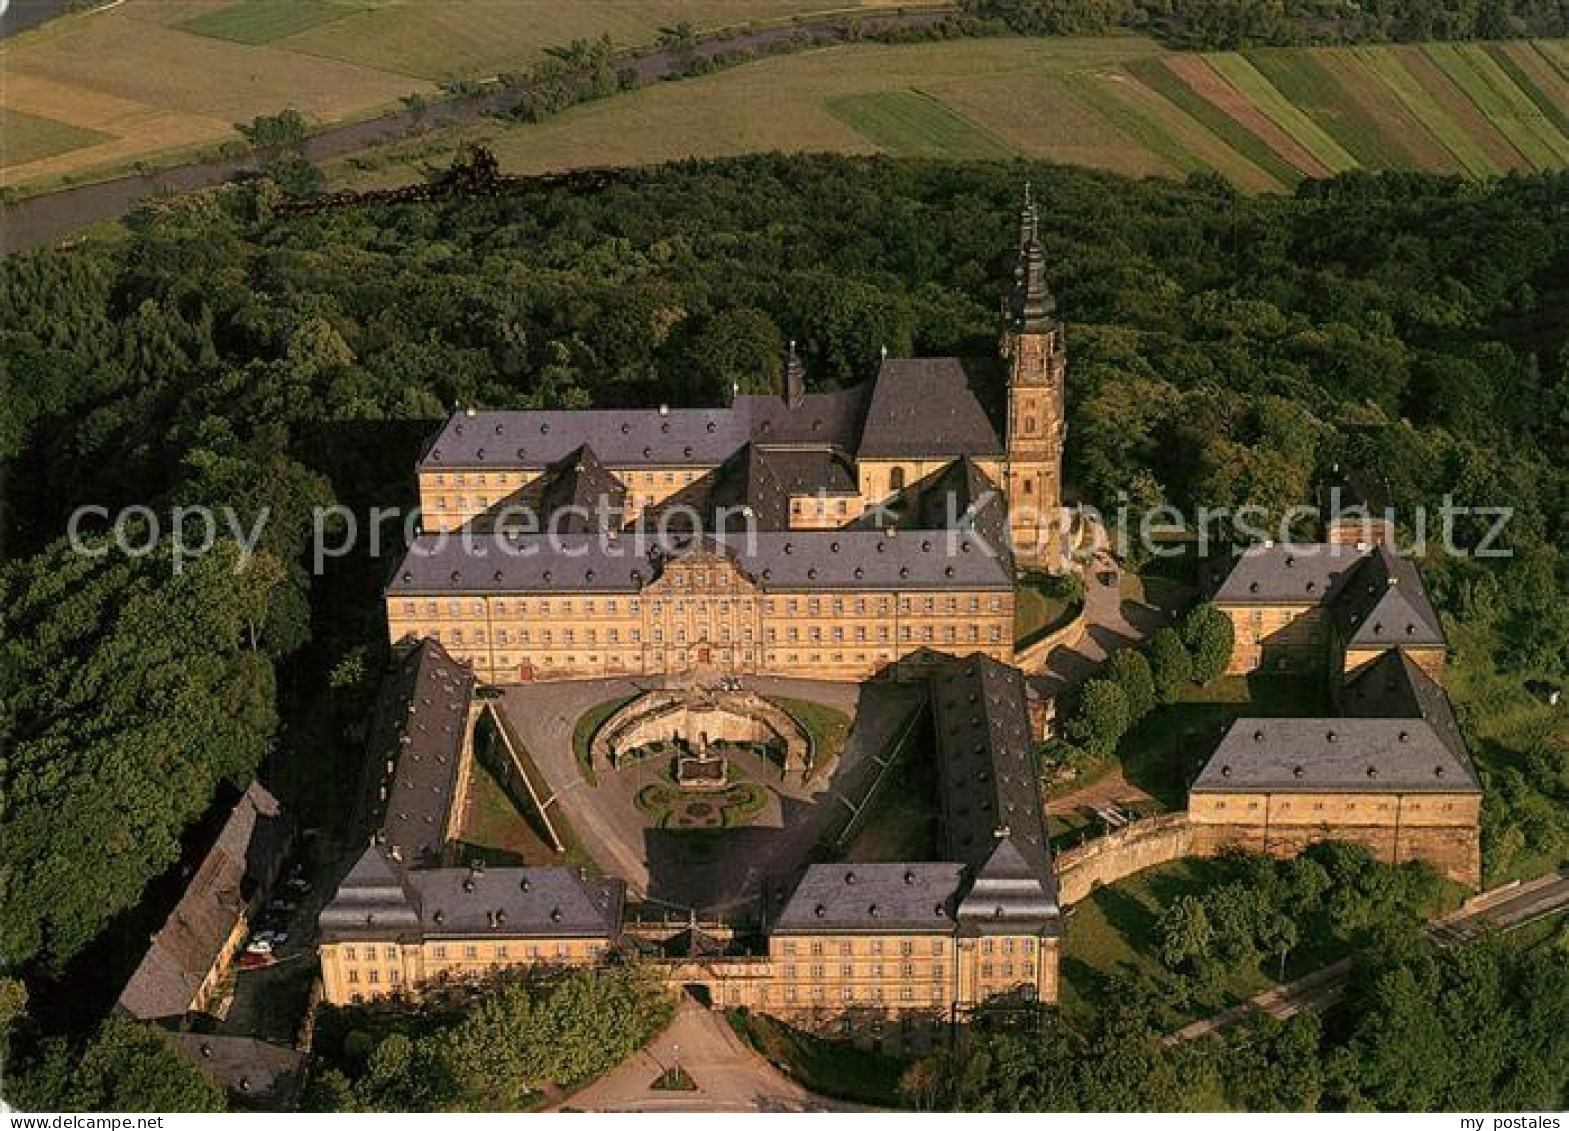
(708, 854)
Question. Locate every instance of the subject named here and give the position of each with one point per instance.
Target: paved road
(1105, 793)
(43, 220)
(1116, 616)
(729, 1075)
(1499, 909)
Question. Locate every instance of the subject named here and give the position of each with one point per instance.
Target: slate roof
(1384, 605)
(379, 896)
(963, 491)
(1336, 755)
(812, 471)
(551, 902)
(1308, 573)
(1395, 687)
(254, 1071)
(244, 857)
(644, 437)
(991, 806)
(370, 901)
(748, 479)
(882, 897)
(420, 737)
(574, 492)
(776, 560)
(926, 407)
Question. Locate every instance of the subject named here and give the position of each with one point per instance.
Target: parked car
(259, 946)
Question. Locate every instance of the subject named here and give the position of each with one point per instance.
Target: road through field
(43, 220)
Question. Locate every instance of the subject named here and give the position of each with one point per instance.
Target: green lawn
(583, 733)
(28, 137)
(1114, 931)
(911, 123)
(495, 830)
(258, 22)
(1167, 749)
(826, 727)
(502, 818)
(1042, 604)
(1318, 93)
(901, 821)
(836, 1069)
(1509, 732)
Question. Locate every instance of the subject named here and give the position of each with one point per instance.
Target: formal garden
(671, 807)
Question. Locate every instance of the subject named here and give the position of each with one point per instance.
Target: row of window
(772, 606)
(568, 637)
(817, 971)
(876, 995)
(634, 661)
(848, 948)
(518, 478)
(469, 951)
(1377, 806)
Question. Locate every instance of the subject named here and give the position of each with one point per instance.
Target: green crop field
(1326, 98)
(1537, 78)
(1517, 104)
(1119, 103)
(262, 21)
(165, 80)
(1098, 91)
(29, 137)
(155, 79)
(1186, 134)
(437, 39)
(1410, 93)
(1511, 113)
(1556, 51)
(1241, 74)
(1155, 75)
(910, 123)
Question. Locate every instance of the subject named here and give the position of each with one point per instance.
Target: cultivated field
(180, 73)
(91, 93)
(1263, 119)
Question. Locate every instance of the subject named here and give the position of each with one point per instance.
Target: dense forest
(1227, 24)
(1224, 350)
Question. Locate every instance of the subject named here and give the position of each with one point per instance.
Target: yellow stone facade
(1441, 828)
(703, 612)
(365, 970)
(837, 985)
(1275, 638)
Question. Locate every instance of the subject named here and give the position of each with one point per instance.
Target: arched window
(896, 479)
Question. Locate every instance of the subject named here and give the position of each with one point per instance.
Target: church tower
(1037, 358)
